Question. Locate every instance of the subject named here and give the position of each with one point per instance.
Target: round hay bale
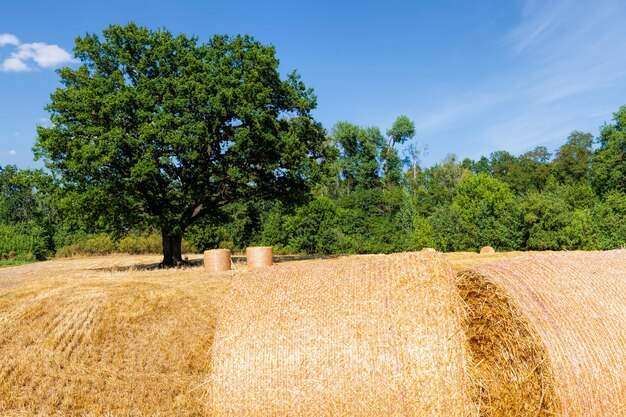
(359, 336)
(259, 257)
(547, 334)
(429, 250)
(217, 260)
(487, 250)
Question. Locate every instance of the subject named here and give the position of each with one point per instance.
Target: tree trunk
(172, 256)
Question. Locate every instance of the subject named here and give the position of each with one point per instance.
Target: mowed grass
(112, 336)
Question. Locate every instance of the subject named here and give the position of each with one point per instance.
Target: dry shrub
(360, 336)
(547, 334)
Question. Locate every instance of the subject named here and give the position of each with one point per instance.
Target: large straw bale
(487, 250)
(259, 257)
(217, 260)
(359, 336)
(547, 334)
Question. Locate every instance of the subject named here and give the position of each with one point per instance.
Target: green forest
(161, 143)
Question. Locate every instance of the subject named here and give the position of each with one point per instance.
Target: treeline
(372, 197)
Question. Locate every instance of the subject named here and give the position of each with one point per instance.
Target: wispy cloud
(8, 39)
(28, 56)
(567, 66)
(540, 20)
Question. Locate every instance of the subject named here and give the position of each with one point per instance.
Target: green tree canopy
(559, 218)
(573, 159)
(357, 162)
(158, 130)
(482, 205)
(402, 130)
(609, 160)
(441, 181)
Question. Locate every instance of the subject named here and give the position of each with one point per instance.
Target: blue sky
(474, 76)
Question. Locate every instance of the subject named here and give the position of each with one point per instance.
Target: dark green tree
(482, 166)
(315, 228)
(610, 221)
(559, 218)
(18, 202)
(529, 171)
(27, 212)
(523, 174)
(608, 170)
(357, 164)
(371, 219)
(573, 159)
(156, 130)
(483, 205)
(402, 130)
(441, 181)
(501, 163)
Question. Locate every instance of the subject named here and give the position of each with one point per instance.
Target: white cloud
(27, 56)
(8, 39)
(540, 20)
(12, 152)
(46, 56)
(13, 64)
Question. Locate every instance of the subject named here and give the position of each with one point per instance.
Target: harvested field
(105, 336)
(547, 334)
(110, 336)
(373, 335)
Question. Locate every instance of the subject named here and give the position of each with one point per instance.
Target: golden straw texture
(547, 334)
(259, 257)
(487, 250)
(106, 336)
(217, 260)
(359, 336)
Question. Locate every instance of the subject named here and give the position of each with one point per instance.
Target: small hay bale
(358, 336)
(259, 257)
(547, 334)
(429, 250)
(487, 250)
(217, 260)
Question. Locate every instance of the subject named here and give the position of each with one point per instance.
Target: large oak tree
(156, 130)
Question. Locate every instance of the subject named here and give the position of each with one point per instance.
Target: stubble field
(114, 336)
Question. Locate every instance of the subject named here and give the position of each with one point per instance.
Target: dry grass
(358, 336)
(92, 337)
(107, 337)
(547, 334)
(463, 260)
(508, 365)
